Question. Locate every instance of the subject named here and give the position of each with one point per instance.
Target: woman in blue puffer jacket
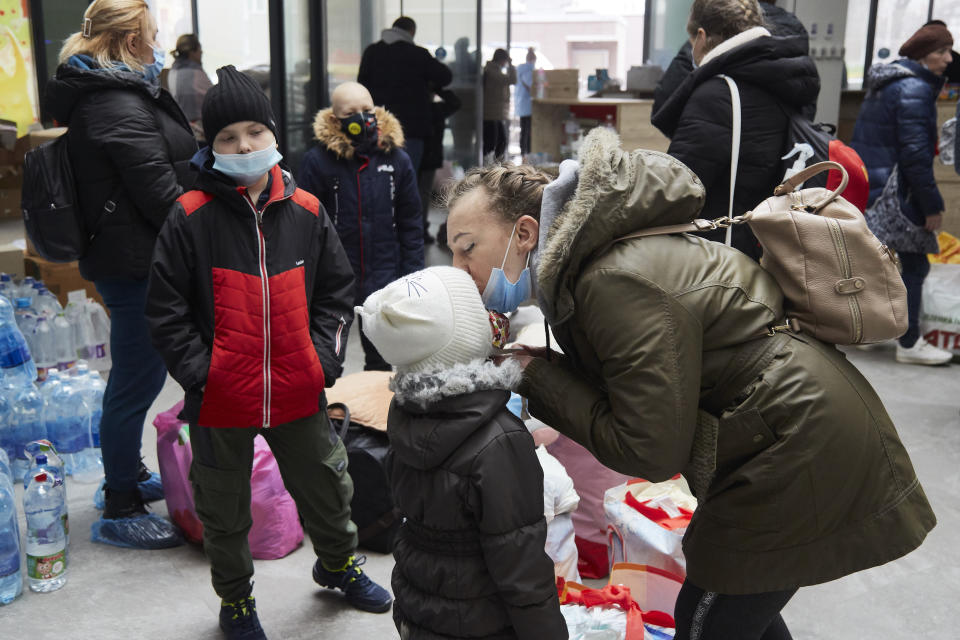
(897, 128)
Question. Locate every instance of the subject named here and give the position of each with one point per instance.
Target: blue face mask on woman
(247, 168)
(152, 71)
(502, 295)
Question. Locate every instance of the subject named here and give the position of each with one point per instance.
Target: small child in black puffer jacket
(465, 475)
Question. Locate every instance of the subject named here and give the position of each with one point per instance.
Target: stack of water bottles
(66, 409)
(48, 524)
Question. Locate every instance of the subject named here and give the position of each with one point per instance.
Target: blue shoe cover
(148, 531)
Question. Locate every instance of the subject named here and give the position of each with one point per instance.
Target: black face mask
(361, 129)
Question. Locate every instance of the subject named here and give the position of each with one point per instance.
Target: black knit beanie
(235, 98)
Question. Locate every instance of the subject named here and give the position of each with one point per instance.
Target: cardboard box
(60, 277)
(32, 140)
(10, 202)
(11, 260)
(559, 83)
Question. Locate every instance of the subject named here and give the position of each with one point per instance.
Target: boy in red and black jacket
(249, 303)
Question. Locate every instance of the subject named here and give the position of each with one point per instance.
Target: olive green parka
(811, 481)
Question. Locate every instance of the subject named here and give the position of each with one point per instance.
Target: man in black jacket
(399, 74)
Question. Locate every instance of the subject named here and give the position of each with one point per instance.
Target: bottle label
(47, 567)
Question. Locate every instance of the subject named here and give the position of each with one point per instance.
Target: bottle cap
(40, 459)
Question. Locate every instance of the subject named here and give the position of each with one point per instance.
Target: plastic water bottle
(15, 357)
(44, 448)
(5, 468)
(26, 420)
(64, 348)
(93, 389)
(44, 347)
(46, 303)
(25, 288)
(8, 441)
(78, 313)
(50, 463)
(43, 503)
(11, 577)
(66, 418)
(88, 463)
(100, 357)
(7, 288)
(25, 315)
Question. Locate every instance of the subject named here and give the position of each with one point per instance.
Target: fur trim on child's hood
(326, 130)
(425, 388)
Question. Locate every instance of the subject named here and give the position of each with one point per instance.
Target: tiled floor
(121, 594)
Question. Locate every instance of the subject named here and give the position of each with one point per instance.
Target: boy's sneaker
(922, 352)
(359, 590)
(239, 621)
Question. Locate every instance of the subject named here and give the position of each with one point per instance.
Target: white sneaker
(923, 353)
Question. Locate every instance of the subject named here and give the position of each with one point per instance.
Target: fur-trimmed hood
(617, 193)
(326, 130)
(434, 412)
(424, 389)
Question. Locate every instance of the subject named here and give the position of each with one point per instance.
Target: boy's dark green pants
(313, 464)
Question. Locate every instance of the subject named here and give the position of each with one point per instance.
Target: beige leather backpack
(841, 284)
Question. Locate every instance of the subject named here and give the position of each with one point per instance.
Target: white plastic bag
(595, 623)
(637, 539)
(940, 313)
(559, 501)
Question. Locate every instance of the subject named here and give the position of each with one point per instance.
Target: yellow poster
(18, 84)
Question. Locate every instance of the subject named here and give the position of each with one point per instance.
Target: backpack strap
(734, 147)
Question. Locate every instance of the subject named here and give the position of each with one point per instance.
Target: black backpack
(51, 213)
(372, 508)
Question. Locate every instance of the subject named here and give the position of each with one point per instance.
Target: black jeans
(495, 138)
(916, 266)
(135, 381)
(525, 136)
(705, 615)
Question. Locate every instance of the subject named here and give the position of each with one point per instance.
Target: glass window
(236, 32)
(301, 103)
(855, 41)
(174, 18)
(897, 20)
(343, 28)
(668, 30)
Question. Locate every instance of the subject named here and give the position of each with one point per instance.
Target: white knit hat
(431, 319)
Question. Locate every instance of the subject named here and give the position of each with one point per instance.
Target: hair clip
(87, 28)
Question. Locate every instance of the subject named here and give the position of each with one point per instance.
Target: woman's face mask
(152, 71)
(502, 295)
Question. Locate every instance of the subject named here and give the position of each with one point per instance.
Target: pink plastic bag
(276, 527)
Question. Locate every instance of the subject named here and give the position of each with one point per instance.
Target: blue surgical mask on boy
(247, 168)
(152, 71)
(502, 295)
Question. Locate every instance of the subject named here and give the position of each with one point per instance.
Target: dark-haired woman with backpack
(130, 147)
(775, 77)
